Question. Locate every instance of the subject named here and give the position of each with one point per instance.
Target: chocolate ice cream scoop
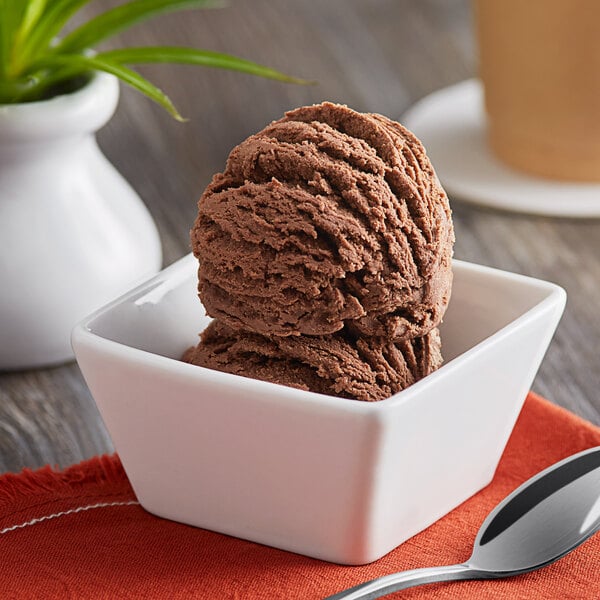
(338, 364)
(326, 218)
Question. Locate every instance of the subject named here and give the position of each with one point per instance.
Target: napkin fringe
(102, 471)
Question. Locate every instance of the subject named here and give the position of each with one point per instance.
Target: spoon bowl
(542, 520)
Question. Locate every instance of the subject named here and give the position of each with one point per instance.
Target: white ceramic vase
(73, 233)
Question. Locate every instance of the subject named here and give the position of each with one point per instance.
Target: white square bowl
(340, 480)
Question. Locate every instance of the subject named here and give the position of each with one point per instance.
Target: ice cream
(326, 218)
(325, 253)
(338, 364)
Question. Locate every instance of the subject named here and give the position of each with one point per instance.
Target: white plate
(451, 125)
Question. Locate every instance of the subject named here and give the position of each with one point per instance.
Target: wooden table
(375, 55)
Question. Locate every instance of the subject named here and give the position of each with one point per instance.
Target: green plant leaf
(11, 14)
(192, 56)
(33, 12)
(40, 38)
(77, 63)
(122, 17)
(34, 65)
(13, 91)
(36, 86)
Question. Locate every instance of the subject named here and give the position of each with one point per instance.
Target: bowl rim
(178, 272)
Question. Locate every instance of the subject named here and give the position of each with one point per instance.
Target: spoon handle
(376, 588)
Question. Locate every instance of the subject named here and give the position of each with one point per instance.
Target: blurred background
(373, 55)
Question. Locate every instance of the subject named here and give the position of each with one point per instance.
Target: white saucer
(451, 125)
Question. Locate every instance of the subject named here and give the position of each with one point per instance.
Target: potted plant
(73, 232)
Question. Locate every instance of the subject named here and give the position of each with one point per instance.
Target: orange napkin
(80, 533)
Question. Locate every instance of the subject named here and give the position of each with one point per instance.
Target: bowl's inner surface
(165, 315)
(483, 302)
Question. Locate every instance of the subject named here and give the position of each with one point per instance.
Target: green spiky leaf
(33, 11)
(191, 56)
(79, 63)
(11, 15)
(35, 64)
(56, 15)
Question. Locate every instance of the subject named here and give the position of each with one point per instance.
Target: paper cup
(540, 67)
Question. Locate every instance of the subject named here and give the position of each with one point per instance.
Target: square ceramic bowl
(340, 480)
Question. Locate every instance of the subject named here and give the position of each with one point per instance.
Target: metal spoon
(542, 520)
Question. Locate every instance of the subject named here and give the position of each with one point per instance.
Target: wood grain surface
(374, 55)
